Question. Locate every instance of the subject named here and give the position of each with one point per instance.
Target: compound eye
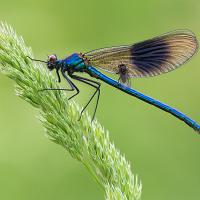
(52, 58)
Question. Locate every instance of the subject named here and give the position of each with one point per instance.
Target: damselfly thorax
(148, 58)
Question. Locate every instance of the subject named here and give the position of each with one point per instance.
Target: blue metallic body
(76, 63)
(147, 58)
(145, 98)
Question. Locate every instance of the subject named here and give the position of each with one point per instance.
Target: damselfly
(144, 59)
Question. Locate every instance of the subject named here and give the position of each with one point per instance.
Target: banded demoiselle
(144, 59)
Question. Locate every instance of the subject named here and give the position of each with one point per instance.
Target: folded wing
(150, 57)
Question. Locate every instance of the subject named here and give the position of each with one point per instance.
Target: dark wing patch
(163, 54)
(150, 57)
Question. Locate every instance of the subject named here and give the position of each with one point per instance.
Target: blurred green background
(163, 151)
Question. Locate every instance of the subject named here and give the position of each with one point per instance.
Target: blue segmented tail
(145, 98)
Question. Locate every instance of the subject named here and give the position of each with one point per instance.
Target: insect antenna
(36, 59)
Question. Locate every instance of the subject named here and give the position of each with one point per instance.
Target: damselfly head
(51, 62)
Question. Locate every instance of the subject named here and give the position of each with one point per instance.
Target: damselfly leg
(72, 85)
(97, 91)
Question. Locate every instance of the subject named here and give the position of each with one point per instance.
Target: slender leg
(56, 89)
(91, 83)
(72, 85)
(58, 75)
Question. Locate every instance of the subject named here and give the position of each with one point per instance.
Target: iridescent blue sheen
(144, 59)
(74, 61)
(145, 98)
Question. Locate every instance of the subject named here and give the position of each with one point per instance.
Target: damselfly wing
(147, 58)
